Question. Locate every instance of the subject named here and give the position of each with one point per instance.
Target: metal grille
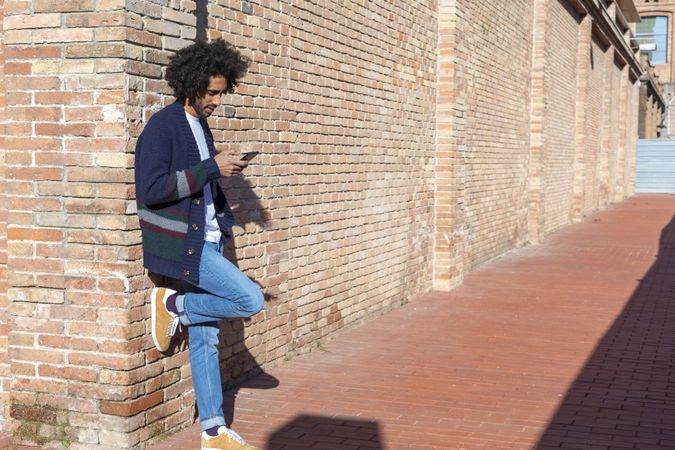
(655, 166)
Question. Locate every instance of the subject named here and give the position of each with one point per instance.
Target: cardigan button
(186, 273)
(195, 226)
(196, 201)
(191, 251)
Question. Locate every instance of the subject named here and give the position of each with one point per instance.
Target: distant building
(654, 34)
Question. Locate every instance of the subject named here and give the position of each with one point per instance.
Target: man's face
(205, 105)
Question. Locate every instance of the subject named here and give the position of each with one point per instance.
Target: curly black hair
(190, 68)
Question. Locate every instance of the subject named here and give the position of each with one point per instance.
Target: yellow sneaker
(226, 440)
(164, 322)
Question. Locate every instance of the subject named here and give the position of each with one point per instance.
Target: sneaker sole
(212, 448)
(153, 304)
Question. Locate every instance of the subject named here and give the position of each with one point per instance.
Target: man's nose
(216, 100)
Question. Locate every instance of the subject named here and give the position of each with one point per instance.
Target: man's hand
(228, 165)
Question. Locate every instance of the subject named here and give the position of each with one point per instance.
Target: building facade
(653, 107)
(654, 34)
(403, 144)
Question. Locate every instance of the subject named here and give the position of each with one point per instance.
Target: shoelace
(173, 326)
(233, 434)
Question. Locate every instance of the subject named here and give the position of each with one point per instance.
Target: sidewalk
(566, 344)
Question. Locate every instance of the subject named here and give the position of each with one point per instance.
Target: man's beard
(201, 109)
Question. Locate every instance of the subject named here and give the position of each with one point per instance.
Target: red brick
(50, 281)
(67, 373)
(64, 98)
(62, 342)
(25, 369)
(131, 408)
(62, 35)
(34, 113)
(63, 5)
(28, 265)
(32, 204)
(29, 52)
(39, 385)
(20, 158)
(69, 403)
(18, 68)
(95, 359)
(98, 144)
(96, 19)
(17, 7)
(35, 174)
(31, 234)
(35, 355)
(36, 83)
(71, 129)
(32, 143)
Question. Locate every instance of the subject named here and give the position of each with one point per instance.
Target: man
(185, 219)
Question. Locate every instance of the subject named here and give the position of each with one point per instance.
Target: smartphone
(249, 156)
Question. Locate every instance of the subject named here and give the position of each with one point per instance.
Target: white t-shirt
(212, 232)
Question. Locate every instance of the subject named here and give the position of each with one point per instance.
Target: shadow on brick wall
(245, 205)
(202, 14)
(623, 397)
(320, 432)
(238, 365)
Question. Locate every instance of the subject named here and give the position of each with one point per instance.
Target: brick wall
(451, 148)
(632, 136)
(650, 115)
(594, 126)
(618, 180)
(482, 144)
(614, 140)
(560, 89)
(497, 106)
(501, 184)
(67, 199)
(4, 303)
(583, 140)
(346, 125)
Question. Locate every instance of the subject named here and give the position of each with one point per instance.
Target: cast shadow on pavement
(326, 433)
(624, 396)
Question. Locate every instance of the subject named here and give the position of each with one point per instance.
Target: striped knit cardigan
(170, 180)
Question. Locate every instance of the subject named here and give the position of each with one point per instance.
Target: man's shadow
(237, 365)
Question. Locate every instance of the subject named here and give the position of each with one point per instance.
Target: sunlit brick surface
(567, 344)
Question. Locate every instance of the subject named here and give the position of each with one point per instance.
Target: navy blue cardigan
(170, 179)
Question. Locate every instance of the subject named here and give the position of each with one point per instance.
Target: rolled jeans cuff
(182, 313)
(211, 422)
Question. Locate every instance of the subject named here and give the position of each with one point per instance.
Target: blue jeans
(224, 292)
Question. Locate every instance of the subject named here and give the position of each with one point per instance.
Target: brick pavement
(565, 344)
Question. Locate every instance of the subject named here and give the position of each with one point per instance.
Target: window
(652, 34)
